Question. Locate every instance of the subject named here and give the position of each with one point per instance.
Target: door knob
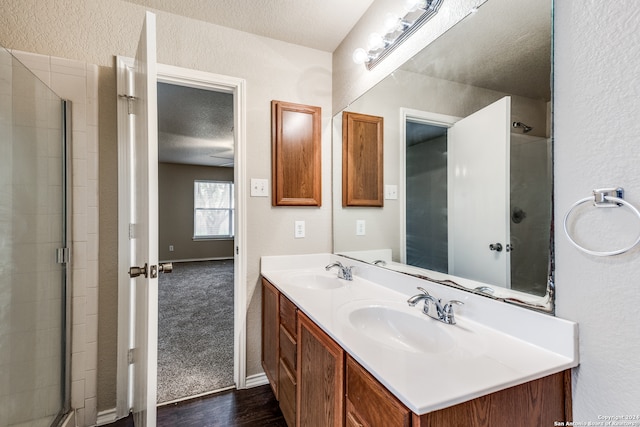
(166, 267)
(495, 247)
(138, 271)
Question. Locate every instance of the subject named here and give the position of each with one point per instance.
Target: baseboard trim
(256, 380)
(222, 258)
(70, 420)
(107, 416)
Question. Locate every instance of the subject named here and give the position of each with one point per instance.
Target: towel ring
(603, 198)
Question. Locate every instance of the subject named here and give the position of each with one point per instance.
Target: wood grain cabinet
(287, 382)
(270, 333)
(318, 385)
(369, 403)
(279, 342)
(320, 377)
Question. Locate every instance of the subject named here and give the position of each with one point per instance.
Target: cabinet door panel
(320, 377)
(270, 333)
(287, 390)
(288, 315)
(371, 401)
(287, 348)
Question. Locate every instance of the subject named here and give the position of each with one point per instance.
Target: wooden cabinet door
(369, 403)
(542, 402)
(270, 333)
(320, 393)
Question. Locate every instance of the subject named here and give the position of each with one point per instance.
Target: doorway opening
(196, 203)
(426, 196)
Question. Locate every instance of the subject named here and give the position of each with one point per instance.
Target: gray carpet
(195, 329)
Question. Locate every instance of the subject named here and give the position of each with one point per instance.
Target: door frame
(428, 118)
(202, 80)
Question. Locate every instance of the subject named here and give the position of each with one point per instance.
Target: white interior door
(144, 229)
(478, 194)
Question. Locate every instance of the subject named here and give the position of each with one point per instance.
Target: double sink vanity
(356, 352)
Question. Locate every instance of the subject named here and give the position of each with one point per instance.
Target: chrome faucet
(345, 273)
(444, 313)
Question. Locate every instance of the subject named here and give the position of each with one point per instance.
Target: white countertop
(504, 345)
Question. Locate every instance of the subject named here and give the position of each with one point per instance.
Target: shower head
(524, 127)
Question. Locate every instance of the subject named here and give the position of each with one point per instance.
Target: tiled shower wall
(78, 82)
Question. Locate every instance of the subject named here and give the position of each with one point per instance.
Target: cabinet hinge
(130, 356)
(132, 231)
(63, 255)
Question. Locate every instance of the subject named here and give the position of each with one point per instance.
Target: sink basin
(317, 281)
(401, 328)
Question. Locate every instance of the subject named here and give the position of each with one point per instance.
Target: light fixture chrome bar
(430, 10)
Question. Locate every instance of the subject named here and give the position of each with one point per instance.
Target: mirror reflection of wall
(426, 196)
(503, 49)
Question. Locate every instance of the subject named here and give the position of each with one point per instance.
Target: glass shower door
(33, 228)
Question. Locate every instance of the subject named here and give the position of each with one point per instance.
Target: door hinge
(132, 231)
(130, 356)
(63, 255)
(130, 99)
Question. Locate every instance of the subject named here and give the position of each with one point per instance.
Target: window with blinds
(213, 210)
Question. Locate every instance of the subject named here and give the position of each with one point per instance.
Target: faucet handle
(448, 315)
(423, 290)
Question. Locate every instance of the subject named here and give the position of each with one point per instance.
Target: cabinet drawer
(288, 315)
(371, 401)
(287, 390)
(287, 348)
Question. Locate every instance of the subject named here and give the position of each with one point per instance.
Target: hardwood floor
(254, 407)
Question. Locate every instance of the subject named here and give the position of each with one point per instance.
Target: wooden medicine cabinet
(362, 173)
(295, 154)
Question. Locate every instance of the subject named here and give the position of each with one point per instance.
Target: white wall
(597, 144)
(95, 31)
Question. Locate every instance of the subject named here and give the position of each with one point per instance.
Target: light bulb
(391, 23)
(413, 5)
(360, 56)
(375, 42)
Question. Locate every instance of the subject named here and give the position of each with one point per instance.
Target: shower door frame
(67, 167)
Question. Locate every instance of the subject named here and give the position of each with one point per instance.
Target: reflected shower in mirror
(467, 146)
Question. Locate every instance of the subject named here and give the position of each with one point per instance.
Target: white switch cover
(391, 192)
(299, 230)
(259, 187)
(360, 227)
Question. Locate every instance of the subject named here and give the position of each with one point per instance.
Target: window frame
(230, 209)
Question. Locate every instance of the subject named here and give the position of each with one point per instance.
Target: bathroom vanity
(354, 353)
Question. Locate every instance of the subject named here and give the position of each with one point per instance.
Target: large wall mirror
(467, 159)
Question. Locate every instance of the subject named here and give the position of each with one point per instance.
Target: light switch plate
(259, 187)
(299, 229)
(391, 192)
(360, 227)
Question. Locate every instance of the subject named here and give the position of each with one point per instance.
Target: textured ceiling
(195, 126)
(312, 23)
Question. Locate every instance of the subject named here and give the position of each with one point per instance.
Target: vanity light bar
(398, 30)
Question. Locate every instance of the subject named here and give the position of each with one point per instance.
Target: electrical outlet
(360, 227)
(299, 229)
(391, 192)
(170, 248)
(259, 187)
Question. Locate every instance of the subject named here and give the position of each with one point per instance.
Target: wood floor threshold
(253, 407)
(197, 396)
